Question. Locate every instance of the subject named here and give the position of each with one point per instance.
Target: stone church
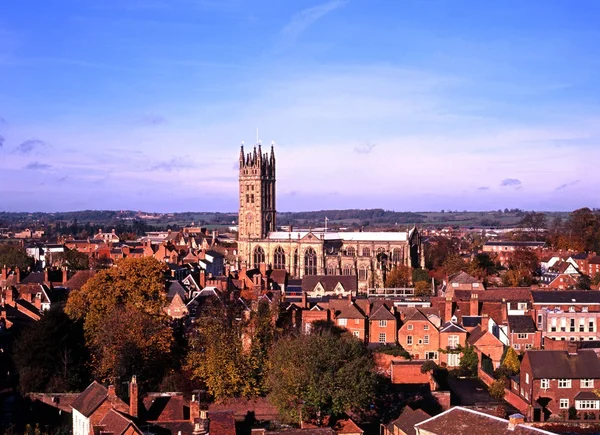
(311, 252)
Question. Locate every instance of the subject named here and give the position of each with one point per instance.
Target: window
(356, 321)
(587, 383)
(252, 198)
(475, 285)
(382, 337)
(295, 262)
(279, 258)
(563, 324)
(564, 403)
(431, 355)
(453, 359)
(564, 383)
(581, 325)
(426, 339)
(572, 325)
(516, 346)
(356, 334)
(455, 284)
(545, 384)
(259, 256)
(396, 255)
(452, 341)
(584, 309)
(587, 404)
(382, 323)
(553, 328)
(527, 378)
(426, 327)
(571, 309)
(310, 262)
(409, 326)
(529, 346)
(342, 322)
(522, 336)
(366, 252)
(539, 321)
(522, 306)
(409, 340)
(591, 325)
(362, 272)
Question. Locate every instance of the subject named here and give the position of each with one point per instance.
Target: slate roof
(176, 288)
(566, 297)
(90, 399)
(558, 364)
(510, 294)
(462, 278)
(349, 282)
(464, 421)
(521, 324)
(452, 327)
(586, 395)
(407, 420)
(471, 321)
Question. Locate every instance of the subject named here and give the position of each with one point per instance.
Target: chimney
(572, 348)
(4, 273)
(368, 308)
(194, 409)
(304, 302)
(202, 278)
(133, 397)
(448, 309)
(65, 275)
(474, 305)
(350, 297)
(112, 394)
(504, 311)
(514, 420)
(18, 273)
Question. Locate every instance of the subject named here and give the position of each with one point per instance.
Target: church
(369, 255)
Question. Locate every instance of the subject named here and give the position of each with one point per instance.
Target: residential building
(523, 334)
(419, 336)
(452, 336)
(383, 327)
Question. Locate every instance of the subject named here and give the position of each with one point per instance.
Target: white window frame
(382, 323)
(342, 322)
(522, 336)
(356, 334)
(586, 383)
(426, 339)
(382, 337)
(425, 327)
(453, 341)
(527, 378)
(564, 383)
(409, 340)
(563, 403)
(545, 384)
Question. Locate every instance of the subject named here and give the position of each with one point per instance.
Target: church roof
(379, 236)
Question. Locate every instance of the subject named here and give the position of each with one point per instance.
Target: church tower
(257, 194)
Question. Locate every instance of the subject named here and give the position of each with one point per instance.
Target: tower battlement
(255, 162)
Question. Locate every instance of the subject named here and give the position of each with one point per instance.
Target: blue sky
(405, 105)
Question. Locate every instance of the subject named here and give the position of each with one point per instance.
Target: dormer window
(571, 309)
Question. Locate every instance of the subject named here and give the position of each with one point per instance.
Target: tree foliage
(420, 275)
(437, 250)
(14, 256)
(454, 263)
(469, 361)
(497, 389)
(320, 374)
(399, 276)
(73, 259)
(511, 361)
(422, 288)
(50, 354)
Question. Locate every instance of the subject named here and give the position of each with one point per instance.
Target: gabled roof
(462, 278)
(79, 279)
(176, 288)
(346, 310)
(90, 399)
(329, 282)
(452, 327)
(382, 313)
(521, 324)
(407, 420)
(116, 423)
(476, 334)
(559, 364)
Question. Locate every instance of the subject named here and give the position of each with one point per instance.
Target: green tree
(584, 282)
(469, 361)
(50, 355)
(511, 361)
(497, 389)
(428, 366)
(14, 256)
(73, 259)
(320, 374)
(263, 335)
(420, 275)
(454, 263)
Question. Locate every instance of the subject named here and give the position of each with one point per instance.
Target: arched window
(279, 258)
(366, 252)
(362, 272)
(259, 256)
(295, 262)
(347, 270)
(351, 251)
(331, 270)
(310, 262)
(396, 255)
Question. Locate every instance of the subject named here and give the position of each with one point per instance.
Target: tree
(584, 282)
(319, 375)
(428, 366)
(482, 266)
(422, 288)
(50, 355)
(399, 276)
(469, 361)
(437, 250)
(511, 361)
(596, 279)
(263, 335)
(497, 389)
(73, 259)
(217, 358)
(420, 275)
(123, 319)
(453, 263)
(14, 256)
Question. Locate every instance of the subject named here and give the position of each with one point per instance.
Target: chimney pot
(112, 394)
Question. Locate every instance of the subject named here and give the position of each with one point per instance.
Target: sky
(407, 105)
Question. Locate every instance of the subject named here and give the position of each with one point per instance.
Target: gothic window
(395, 255)
(366, 252)
(259, 256)
(295, 262)
(247, 198)
(252, 198)
(362, 272)
(279, 258)
(331, 270)
(347, 270)
(351, 251)
(310, 262)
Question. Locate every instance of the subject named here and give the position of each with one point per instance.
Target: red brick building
(419, 336)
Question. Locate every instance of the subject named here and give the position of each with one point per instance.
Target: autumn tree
(399, 276)
(262, 336)
(420, 275)
(320, 375)
(73, 259)
(123, 306)
(596, 279)
(14, 256)
(437, 250)
(50, 355)
(522, 265)
(453, 263)
(497, 388)
(423, 288)
(534, 221)
(511, 361)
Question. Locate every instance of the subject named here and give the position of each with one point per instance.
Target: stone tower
(257, 194)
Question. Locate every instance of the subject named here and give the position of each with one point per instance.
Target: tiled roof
(221, 423)
(407, 420)
(586, 395)
(176, 288)
(116, 423)
(462, 278)
(521, 324)
(346, 310)
(157, 406)
(464, 421)
(349, 282)
(475, 335)
(452, 327)
(382, 313)
(566, 297)
(79, 279)
(594, 260)
(90, 399)
(558, 364)
(511, 294)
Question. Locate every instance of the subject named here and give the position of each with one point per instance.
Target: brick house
(486, 344)
(347, 315)
(419, 336)
(383, 326)
(92, 405)
(552, 381)
(461, 281)
(452, 335)
(522, 333)
(405, 423)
